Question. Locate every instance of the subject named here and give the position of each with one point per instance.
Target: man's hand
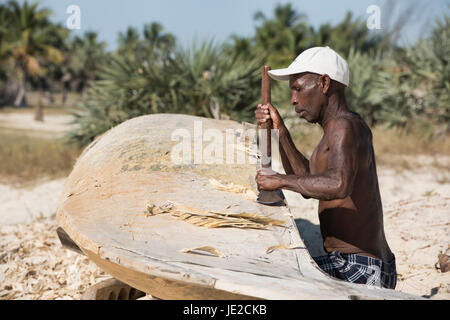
(269, 181)
(268, 111)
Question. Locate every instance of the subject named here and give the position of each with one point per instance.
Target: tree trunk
(20, 98)
(214, 107)
(39, 113)
(66, 88)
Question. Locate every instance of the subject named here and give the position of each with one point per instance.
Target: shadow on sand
(311, 236)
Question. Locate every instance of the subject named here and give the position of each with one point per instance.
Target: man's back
(353, 224)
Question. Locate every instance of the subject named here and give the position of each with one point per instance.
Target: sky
(218, 19)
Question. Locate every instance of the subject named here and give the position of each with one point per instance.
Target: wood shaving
(203, 249)
(216, 219)
(152, 209)
(251, 151)
(35, 266)
(235, 188)
(285, 246)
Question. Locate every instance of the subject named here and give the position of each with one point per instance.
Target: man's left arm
(337, 181)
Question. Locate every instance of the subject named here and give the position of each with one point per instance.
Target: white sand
(25, 120)
(25, 205)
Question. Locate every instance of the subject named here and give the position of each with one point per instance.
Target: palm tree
(239, 45)
(5, 61)
(428, 66)
(5, 44)
(52, 71)
(349, 33)
(93, 52)
(5, 24)
(283, 36)
(155, 39)
(85, 57)
(198, 81)
(212, 84)
(155, 42)
(31, 42)
(128, 41)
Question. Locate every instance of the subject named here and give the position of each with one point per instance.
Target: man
(341, 172)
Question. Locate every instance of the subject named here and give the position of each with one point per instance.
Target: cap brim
(284, 74)
(281, 74)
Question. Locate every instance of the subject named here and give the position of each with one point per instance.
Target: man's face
(307, 97)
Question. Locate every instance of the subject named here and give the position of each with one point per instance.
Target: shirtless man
(341, 173)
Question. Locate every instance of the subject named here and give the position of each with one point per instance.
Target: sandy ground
(53, 123)
(33, 265)
(26, 205)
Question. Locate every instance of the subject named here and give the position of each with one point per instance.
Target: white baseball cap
(318, 60)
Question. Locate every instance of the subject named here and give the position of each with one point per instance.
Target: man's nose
(294, 100)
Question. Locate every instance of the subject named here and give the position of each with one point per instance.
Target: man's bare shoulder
(351, 123)
(349, 127)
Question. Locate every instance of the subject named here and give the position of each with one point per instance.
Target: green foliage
(28, 43)
(428, 64)
(283, 36)
(406, 88)
(380, 89)
(365, 68)
(84, 58)
(149, 73)
(212, 83)
(350, 33)
(35, 51)
(287, 34)
(198, 81)
(153, 42)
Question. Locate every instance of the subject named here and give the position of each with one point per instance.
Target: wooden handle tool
(275, 197)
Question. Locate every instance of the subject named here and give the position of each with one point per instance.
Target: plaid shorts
(359, 269)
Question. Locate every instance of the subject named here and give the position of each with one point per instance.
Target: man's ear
(325, 83)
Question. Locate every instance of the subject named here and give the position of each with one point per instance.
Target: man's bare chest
(318, 162)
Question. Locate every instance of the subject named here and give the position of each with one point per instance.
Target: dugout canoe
(106, 209)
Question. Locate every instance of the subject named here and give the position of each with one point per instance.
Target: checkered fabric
(359, 269)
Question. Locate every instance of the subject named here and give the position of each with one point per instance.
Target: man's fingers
(257, 182)
(262, 116)
(266, 112)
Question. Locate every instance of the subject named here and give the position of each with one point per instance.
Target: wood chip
(219, 219)
(152, 209)
(37, 267)
(8, 252)
(214, 218)
(235, 188)
(444, 262)
(202, 250)
(284, 246)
